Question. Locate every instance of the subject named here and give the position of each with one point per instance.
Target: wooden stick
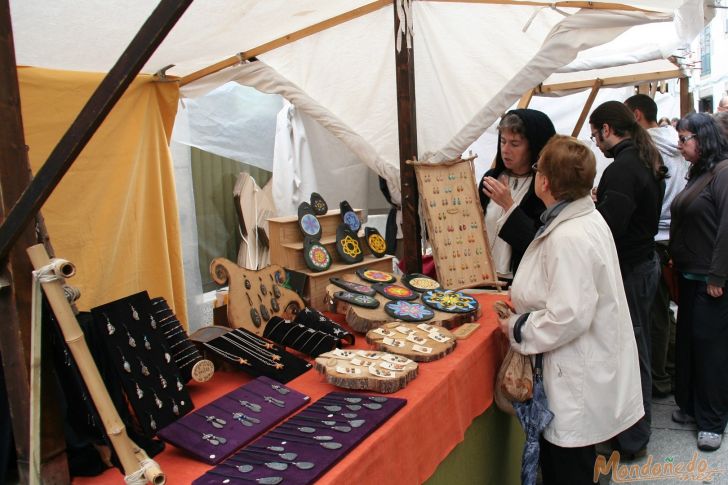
(587, 106)
(526, 99)
(130, 455)
(563, 4)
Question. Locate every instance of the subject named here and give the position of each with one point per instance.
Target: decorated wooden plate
(315, 255)
(353, 287)
(420, 342)
(318, 204)
(357, 299)
(307, 221)
(349, 216)
(450, 301)
(420, 282)
(395, 292)
(348, 245)
(375, 276)
(375, 242)
(408, 311)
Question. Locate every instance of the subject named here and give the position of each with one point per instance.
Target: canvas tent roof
(473, 59)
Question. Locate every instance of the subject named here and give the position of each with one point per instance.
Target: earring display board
(143, 362)
(362, 319)
(365, 369)
(303, 448)
(216, 430)
(455, 224)
(420, 342)
(255, 297)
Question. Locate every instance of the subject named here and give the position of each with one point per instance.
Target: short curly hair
(570, 167)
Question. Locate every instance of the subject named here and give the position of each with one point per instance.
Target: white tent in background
(334, 62)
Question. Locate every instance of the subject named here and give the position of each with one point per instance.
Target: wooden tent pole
(15, 294)
(587, 107)
(407, 125)
(685, 104)
(526, 99)
(151, 34)
(562, 4)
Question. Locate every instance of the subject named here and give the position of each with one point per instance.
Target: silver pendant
(147, 345)
(168, 358)
(175, 408)
(274, 401)
(158, 401)
(140, 393)
(163, 381)
(109, 327)
(252, 406)
(134, 313)
(218, 423)
(152, 322)
(281, 390)
(152, 422)
(145, 369)
(132, 342)
(127, 365)
(179, 385)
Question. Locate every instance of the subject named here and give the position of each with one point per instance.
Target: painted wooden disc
(318, 204)
(395, 292)
(420, 282)
(307, 221)
(348, 246)
(315, 255)
(375, 276)
(450, 301)
(353, 287)
(349, 216)
(375, 242)
(357, 299)
(408, 311)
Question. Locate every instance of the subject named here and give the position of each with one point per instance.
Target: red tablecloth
(441, 403)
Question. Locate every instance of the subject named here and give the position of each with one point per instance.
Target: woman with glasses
(699, 249)
(512, 210)
(571, 307)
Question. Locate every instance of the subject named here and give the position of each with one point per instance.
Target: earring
(134, 313)
(109, 327)
(147, 345)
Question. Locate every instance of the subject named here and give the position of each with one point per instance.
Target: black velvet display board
(216, 430)
(304, 447)
(184, 352)
(142, 361)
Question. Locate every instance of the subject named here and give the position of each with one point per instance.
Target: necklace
(244, 345)
(227, 355)
(267, 358)
(244, 336)
(209, 437)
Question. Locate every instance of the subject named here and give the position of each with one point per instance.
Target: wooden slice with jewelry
(349, 216)
(318, 204)
(353, 287)
(395, 292)
(364, 369)
(450, 301)
(375, 242)
(315, 255)
(348, 245)
(357, 299)
(307, 221)
(408, 311)
(420, 342)
(375, 276)
(420, 282)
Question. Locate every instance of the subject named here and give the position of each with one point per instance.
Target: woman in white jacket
(570, 305)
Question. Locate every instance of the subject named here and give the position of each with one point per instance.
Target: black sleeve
(519, 230)
(718, 273)
(615, 200)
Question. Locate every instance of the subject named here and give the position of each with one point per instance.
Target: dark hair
(721, 118)
(712, 143)
(645, 104)
(622, 121)
(570, 167)
(512, 123)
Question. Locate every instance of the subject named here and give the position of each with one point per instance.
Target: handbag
(514, 381)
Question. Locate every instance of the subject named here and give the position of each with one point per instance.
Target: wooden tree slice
(255, 296)
(363, 369)
(421, 342)
(364, 319)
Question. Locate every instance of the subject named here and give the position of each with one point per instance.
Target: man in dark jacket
(629, 197)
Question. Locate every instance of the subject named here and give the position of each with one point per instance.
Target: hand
(715, 291)
(505, 326)
(498, 192)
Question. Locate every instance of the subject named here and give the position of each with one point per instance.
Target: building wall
(711, 86)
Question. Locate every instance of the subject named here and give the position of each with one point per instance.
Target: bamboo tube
(130, 455)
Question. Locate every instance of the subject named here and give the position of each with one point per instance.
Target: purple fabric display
(305, 453)
(273, 400)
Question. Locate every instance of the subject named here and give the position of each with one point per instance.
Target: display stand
(286, 249)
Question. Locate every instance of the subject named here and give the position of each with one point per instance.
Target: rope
(138, 477)
(538, 10)
(406, 28)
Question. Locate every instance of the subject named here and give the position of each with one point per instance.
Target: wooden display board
(455, 224)
(421, 342)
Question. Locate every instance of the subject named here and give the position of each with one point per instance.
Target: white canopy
(473, 59)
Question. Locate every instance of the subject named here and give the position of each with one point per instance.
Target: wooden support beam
(15, 294)
(407, 123)
(563, 4)
(587, 107)
(286, 39)
(526, 99)
(151, 34)
(686, 105)
(610, 81)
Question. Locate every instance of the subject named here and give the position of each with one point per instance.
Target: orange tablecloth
(441, 403)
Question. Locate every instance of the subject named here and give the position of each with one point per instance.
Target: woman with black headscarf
(513, 217)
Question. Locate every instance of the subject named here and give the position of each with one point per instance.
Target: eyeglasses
(534, 167)
(684, 139)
